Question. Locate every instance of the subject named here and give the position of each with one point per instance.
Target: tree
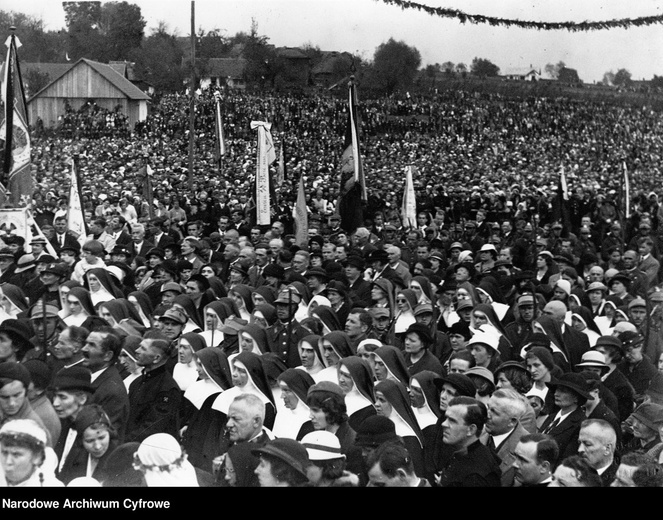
(448, 67)
(461, 69)
(395, 65)
(484, 68)
(553, 69)
(103, 32)
(622, 78)
(261, 62)
(608, 78)
(159, 60)
(122, 27)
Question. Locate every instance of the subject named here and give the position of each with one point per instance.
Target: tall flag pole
(409, 206)
(75, 218)
(16, 183)
(148, 190)
(220, 139)
(562, 212)
(627, 192)
(353, 185)
(301, 215)
(266, 155)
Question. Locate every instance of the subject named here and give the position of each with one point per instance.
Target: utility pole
(192, 98)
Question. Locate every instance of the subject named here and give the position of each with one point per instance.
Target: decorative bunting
(523, 24)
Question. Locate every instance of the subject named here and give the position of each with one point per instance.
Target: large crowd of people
(508, 338)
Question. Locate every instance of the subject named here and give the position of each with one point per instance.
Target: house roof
(226, 67)
(111, 75)
(520, 71)
(291, 53)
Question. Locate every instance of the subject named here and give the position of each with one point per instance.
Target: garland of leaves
(542, 26)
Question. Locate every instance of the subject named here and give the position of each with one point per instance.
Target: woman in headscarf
(94, 443)
(120, 471)
(390, 364)
(117, 312)
(356, 380)
(130, 370)
(294, 422)
(382, 295)
(12, 301)
(252, 338)
(186, 304)
(327, 318)
(425, 401)
(393, 402)
(313, 362)
(264, 315)
(143, 306)
(305, 293)
(484, 314)
(101, 286)
(185, 371)
(215, 314)
(317, 301)
(491, 294)
(239, 466)
(263, 294)
(241, 294)
(422, 288)
(553, 330)
(204, 427)
(79, 305)
(163, 462)
(467, 291)
(248, 376)
(64, 289)
(334, 347)
(583, 320)
(406, 301)
(216, 289)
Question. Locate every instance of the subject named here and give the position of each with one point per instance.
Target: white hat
(485, 338)
(116, 272)
(322, 445)
(564, 285)
(537, 392)
(26, 428)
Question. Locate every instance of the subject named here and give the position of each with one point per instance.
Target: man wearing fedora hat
(570, 393)
(378, 260)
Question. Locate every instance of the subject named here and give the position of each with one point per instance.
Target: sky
(360, 26)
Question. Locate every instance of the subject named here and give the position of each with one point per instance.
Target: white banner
(75, 217)
(266, 155)
(409, 208)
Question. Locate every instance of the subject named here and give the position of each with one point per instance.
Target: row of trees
(115, 31)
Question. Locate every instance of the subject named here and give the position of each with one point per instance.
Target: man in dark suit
(503, 429)
(379, 263)
(576, 342)
(118, 230)
(139, 245)
(63, 237)
(563, 424)
(597, 442)
(158, 232)
(100, 352)
(535, 456)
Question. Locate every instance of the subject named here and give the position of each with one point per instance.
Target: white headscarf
(163, 463)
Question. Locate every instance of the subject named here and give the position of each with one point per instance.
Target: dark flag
(353, 185)
(16, 183)
(148, 194)
(220, 148)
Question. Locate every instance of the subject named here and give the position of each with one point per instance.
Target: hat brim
(569, 386)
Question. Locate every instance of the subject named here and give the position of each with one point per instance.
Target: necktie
(61, 240)
(551, 425)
